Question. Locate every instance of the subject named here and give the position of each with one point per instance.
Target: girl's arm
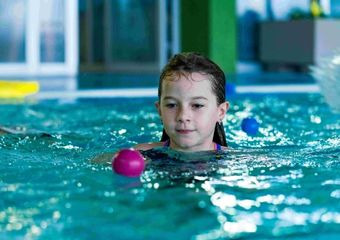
(104, 158)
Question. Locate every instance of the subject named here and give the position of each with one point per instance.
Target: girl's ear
(158, 108)
(222, 110)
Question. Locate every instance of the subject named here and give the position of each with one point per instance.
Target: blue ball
(250, 126)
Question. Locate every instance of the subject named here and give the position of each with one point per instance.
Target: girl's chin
(188, 145)
(184, 145)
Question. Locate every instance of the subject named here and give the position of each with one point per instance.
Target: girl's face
(189, 111)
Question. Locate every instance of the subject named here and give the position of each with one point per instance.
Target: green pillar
(209, 27)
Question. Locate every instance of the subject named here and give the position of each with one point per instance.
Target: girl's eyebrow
(193, 98)
(169, 98)
(199, 97)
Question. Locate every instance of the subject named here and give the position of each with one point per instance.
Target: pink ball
(128, 162)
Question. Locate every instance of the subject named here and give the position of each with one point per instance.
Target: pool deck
(152, 92)
(94, 85)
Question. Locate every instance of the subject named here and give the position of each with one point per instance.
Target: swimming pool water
(282, 183)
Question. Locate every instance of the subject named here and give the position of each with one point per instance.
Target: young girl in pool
(191, 104)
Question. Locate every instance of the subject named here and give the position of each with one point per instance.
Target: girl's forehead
(183, 82)
(191, 76)
(190, 86)
(187, 79)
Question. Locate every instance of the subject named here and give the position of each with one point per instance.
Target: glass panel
(52, 30)
(12, 31)
(98, 31)
(134, 30)
(83, 32)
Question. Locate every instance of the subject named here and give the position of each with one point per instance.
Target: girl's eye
(197, 106)
(170, 105)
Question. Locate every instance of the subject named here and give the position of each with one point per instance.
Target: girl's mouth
(184, 131)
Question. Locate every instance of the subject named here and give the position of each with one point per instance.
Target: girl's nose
(183, 115)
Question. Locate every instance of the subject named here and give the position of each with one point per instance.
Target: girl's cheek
(166, 116)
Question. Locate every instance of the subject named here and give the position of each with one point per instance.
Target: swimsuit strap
(166, 143)
(217, 147)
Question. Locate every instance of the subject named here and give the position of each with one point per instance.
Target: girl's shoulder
(147, 146)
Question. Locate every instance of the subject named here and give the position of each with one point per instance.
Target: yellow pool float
(17, 89)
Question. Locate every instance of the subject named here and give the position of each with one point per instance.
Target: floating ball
(128, 162)
(250, 126)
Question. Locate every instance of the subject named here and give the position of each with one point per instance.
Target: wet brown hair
(184, 64)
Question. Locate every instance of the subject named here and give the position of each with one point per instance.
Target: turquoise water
(283, 183)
